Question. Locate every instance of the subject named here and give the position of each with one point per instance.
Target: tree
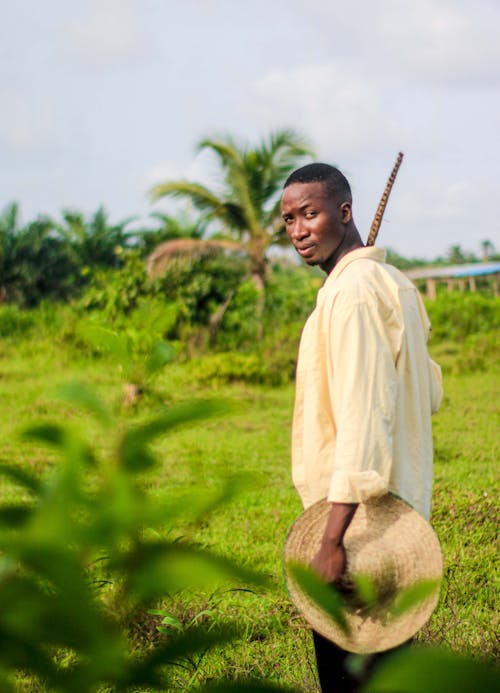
(248, 206)
(35, 263)
(180, 227)
(456, 256)
(488, 249)
(95, 240)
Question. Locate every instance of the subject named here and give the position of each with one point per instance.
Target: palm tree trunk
(259, 270)
(218, 316)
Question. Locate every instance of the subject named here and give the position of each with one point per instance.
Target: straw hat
(388, 542)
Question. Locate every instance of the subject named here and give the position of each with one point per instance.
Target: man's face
(316, 222)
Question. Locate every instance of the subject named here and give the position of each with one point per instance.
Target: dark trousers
(334, 676)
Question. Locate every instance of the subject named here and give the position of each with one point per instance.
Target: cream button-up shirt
(365, 388)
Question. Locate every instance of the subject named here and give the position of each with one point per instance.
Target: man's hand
(330, 561)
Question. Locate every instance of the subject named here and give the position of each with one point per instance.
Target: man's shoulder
(366, 281)
(370, 273)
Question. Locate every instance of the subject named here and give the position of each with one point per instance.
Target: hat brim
(391, 544)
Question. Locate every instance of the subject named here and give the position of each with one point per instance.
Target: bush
(480, 353)
(202, 284)
(240, 325)
(227, 367)
(454, 316)
(14, 321)
(116, 292)
(270, 362)
(290, 295)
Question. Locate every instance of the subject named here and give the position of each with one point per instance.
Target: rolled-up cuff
(356, 487)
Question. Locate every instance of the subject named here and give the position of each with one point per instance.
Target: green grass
(252, 440)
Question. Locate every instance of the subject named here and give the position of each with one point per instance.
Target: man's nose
(299, 230)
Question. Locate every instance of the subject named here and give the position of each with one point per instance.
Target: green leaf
(160, 568)
(432, 670)
(64, 438)
(81, 395)
(410, 597)
(6, 685)
(168, 620)
(196, 504)
(366, 589)
(132, 452)
(161, 354)
(15, 515)
(22, 476)
(323, 594)
(105, 340)
(53, 434)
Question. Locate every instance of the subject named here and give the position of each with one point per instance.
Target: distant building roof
(474, 269)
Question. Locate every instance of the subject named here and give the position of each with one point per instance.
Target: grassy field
(253, 440)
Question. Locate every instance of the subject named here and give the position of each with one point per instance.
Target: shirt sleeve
(363, 392)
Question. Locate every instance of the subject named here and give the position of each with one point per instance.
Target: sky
(102, 99)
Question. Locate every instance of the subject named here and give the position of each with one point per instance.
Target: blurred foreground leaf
(410, 597)
(428, 670)
(156, 569)
(21, 476)
(88, 552)
(80, 395)
(161, 354)
(133, 452)
(324, 595)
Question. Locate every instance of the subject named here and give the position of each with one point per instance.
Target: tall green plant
(84, 552)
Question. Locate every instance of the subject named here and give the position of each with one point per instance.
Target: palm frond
(226, 150)
(201, 197)
(159, 260)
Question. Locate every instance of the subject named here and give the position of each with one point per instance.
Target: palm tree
(248, 206)
(488, 249)
(35, 263)
(179, 227)
(95, 239)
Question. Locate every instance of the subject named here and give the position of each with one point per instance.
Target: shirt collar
(367, 252)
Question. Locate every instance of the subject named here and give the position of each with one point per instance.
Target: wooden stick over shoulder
(383, 202)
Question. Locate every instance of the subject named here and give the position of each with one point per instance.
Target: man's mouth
(305, 250)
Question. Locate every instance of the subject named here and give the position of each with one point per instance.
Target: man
(365, 388)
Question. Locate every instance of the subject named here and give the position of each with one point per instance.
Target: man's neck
(352, 241)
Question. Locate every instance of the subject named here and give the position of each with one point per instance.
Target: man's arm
(363, 397)
(330, 561)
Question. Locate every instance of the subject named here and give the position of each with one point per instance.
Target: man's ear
(346, 212)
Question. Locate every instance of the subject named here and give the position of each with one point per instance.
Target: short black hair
(335, 181)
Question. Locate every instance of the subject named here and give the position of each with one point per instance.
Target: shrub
(456, 315)
(240, 325)
(227, 367)
(116, 292)
(480, 352)
(14, 321)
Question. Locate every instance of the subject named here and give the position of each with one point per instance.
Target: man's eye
(310, 213)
